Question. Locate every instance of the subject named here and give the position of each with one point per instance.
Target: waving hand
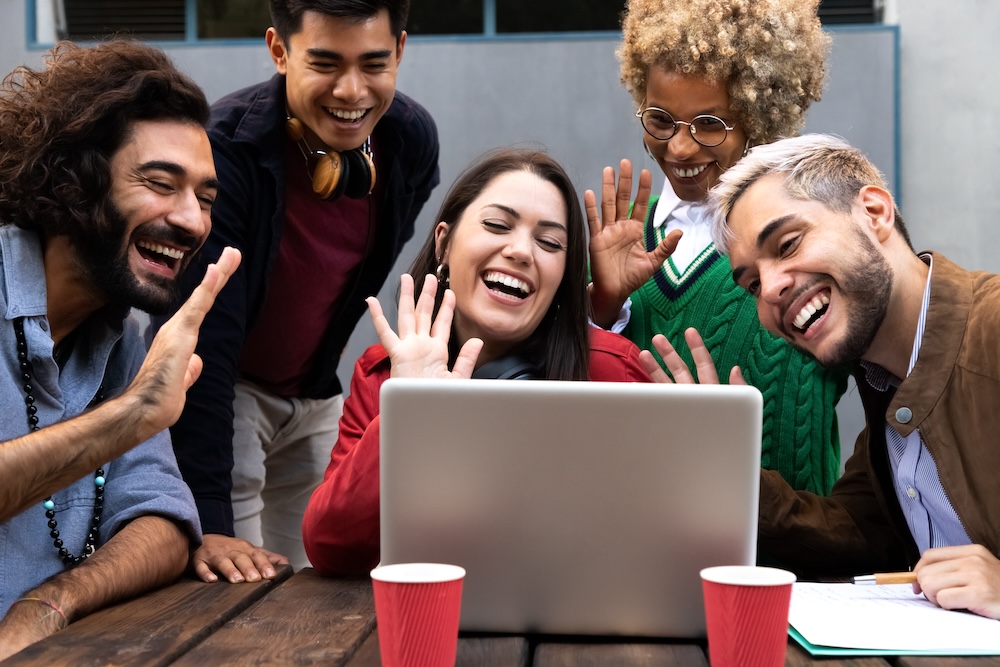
(619, 261)
(420, 348)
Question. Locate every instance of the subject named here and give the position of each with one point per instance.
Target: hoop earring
(746, 148)
(442, 274)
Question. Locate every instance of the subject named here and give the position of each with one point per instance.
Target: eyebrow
(766, 233)
(710, 111)
(771, 227)
(517, 216)
(327, 54)
(177, 170)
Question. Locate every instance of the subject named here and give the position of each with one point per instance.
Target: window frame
(489, 32)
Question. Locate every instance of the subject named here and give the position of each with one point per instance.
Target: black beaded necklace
(50, 507)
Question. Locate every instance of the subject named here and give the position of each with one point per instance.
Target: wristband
(47, 604)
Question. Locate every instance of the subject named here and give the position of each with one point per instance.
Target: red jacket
(341, 524)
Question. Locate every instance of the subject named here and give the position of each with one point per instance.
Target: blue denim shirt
(108, 350)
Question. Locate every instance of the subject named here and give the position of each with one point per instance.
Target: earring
(442, 274)
(746, 148)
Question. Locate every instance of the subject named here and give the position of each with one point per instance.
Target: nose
(350, 86)
(189, 215)
(682, 145)
(775, 284)
(519, 248)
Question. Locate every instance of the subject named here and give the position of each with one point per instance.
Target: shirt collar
(670, 205)
(24, 279)
(24, 272)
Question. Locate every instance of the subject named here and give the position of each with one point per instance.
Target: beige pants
(281, 448)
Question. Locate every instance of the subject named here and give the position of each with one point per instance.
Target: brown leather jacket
(953, 393)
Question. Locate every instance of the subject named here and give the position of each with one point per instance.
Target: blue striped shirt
(929, 514)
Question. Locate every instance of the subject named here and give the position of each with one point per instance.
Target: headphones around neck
(511, 367)
(335, 173)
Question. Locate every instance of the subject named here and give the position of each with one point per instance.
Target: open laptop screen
(575, 507)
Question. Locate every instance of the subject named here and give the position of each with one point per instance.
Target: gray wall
(951, 138)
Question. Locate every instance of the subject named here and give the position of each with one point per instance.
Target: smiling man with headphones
(324, 169)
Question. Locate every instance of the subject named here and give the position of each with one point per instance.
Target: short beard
(103, 256)
(868, 288)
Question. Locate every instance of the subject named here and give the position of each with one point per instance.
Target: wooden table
(307, 619)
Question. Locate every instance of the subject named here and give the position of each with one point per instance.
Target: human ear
(399, 48)
(441, 241)
(276, 47)
(879, 210)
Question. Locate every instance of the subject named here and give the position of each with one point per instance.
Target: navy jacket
(247, 134)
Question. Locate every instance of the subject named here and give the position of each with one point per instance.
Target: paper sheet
(886, 617)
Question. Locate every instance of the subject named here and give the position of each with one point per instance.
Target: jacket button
(903, 415)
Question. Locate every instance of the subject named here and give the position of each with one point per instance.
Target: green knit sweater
(800, 437)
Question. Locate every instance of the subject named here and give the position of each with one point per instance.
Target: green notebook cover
(817, 650)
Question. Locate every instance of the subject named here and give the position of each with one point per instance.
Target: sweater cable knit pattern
(800, 436)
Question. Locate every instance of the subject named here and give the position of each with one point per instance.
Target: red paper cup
(417, 606)
(746, 612)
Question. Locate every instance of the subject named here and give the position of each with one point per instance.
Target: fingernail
(237, 578)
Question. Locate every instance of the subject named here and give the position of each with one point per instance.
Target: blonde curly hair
(769, 53)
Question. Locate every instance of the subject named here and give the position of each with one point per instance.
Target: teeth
(346, 115)
(509, 281)
(161, 250)
(689, 173)
(810, 309)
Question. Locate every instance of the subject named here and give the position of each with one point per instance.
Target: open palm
(420, 348)
(619, 262)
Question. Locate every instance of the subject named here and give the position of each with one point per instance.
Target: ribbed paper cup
(417, 607)
(746, 613)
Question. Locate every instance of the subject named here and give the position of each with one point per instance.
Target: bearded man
(106, 188)
(813, 233)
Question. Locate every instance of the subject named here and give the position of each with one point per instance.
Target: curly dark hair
(61, 125)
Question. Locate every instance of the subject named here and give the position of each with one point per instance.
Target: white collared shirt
(689, 217)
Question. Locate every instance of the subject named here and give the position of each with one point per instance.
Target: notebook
(575, 507)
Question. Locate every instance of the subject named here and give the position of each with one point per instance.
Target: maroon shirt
(322, 247)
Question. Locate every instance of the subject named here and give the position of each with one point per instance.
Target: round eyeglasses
(707, 130)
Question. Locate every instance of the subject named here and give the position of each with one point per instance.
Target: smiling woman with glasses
(712, 78)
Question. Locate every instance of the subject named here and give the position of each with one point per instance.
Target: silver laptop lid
(575, 507)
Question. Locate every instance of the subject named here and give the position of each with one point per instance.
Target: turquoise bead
(49, 505)
(99, 481)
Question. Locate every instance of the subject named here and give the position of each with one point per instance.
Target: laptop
(575, 507)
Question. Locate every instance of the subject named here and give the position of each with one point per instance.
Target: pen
(887, 578)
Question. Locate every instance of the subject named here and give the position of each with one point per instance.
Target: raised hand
(171, 366)
(420, 349)
(619, 263)
(705, 367)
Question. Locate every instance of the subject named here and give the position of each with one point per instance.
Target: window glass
(445, 17)
(850, 11)
(220, 19)
(567, 15)
(150, 19)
